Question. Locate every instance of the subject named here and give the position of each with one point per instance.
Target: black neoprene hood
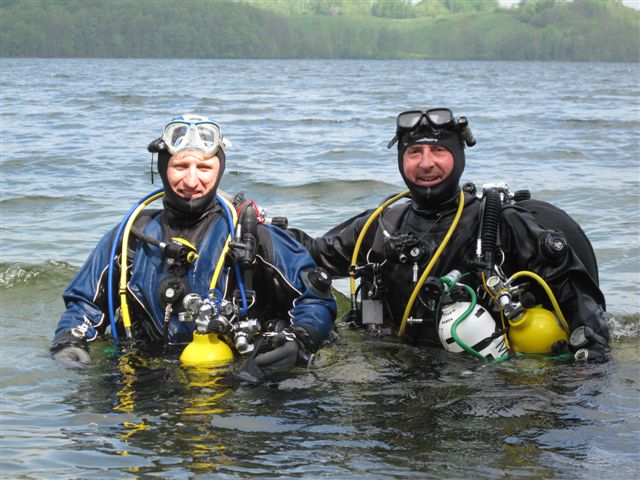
(433, 196)
(187, 209)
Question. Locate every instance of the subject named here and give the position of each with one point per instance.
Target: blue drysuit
(280, 280)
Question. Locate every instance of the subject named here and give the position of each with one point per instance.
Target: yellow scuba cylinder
(206, 350)
(532, 329)
(535, 331)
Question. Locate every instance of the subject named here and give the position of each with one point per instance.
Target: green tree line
(585, 30)
(376, 8)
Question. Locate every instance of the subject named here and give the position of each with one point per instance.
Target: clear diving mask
(193, 132)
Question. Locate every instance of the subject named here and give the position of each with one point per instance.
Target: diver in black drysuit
(523, 242)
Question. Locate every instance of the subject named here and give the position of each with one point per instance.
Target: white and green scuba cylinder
(465, 325)
(477, 330)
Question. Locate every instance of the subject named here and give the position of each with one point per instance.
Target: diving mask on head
(192, 132)
(434, 120)
(183, 133)
(435, 126)
(437, 117)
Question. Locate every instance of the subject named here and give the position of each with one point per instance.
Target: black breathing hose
(490, 224)
(249, 237)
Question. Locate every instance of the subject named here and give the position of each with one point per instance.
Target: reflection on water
(167, 408)
(369, 408)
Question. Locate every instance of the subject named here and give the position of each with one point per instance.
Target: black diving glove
(71, 351)
(280, 352)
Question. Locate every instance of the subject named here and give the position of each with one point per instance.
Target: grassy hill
(586, 30)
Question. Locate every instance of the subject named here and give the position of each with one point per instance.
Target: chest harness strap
(353, 268)
(124, 230)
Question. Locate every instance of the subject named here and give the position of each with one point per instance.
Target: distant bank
(604, 30)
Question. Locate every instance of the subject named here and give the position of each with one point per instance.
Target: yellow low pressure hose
(124, 306)
(225, 249)
(429, 267)
(363, 233)
(549, 293)
(206, 349)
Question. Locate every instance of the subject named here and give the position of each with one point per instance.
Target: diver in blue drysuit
(292, 296)
(527, 235)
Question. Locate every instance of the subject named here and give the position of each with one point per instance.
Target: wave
(63, 76)
(123, 99)
(52, 274)
(342, 188)
(601, 123)
(239, 117)
(43, 200)
(625, 326)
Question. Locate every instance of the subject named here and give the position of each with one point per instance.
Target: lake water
(309, 142)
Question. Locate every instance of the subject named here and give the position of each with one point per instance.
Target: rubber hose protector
(249, 223)
(490, 222)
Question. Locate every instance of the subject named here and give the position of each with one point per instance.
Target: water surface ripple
(309, 142)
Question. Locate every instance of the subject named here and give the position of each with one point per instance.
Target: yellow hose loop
(550, 294)
(185, 242)
(124, 306)
(225, 249)
(365, 229)
(432, 262)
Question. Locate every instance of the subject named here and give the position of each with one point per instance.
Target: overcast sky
(629, 3)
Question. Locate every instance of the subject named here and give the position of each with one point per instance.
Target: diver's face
(192, 174)
(426, 165)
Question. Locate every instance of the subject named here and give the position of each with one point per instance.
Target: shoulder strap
(390, 219)
(265, 244)
(552, 217)
(394, 214)
(141, 221)
(144, 217)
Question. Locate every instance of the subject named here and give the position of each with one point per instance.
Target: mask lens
(408, 120)
(440, 116)
(182, 135)
(174, 136)
(209, 135)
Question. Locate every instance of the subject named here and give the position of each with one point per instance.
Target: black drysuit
(519, 238)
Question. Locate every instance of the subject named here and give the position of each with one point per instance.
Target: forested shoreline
(586, 30)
